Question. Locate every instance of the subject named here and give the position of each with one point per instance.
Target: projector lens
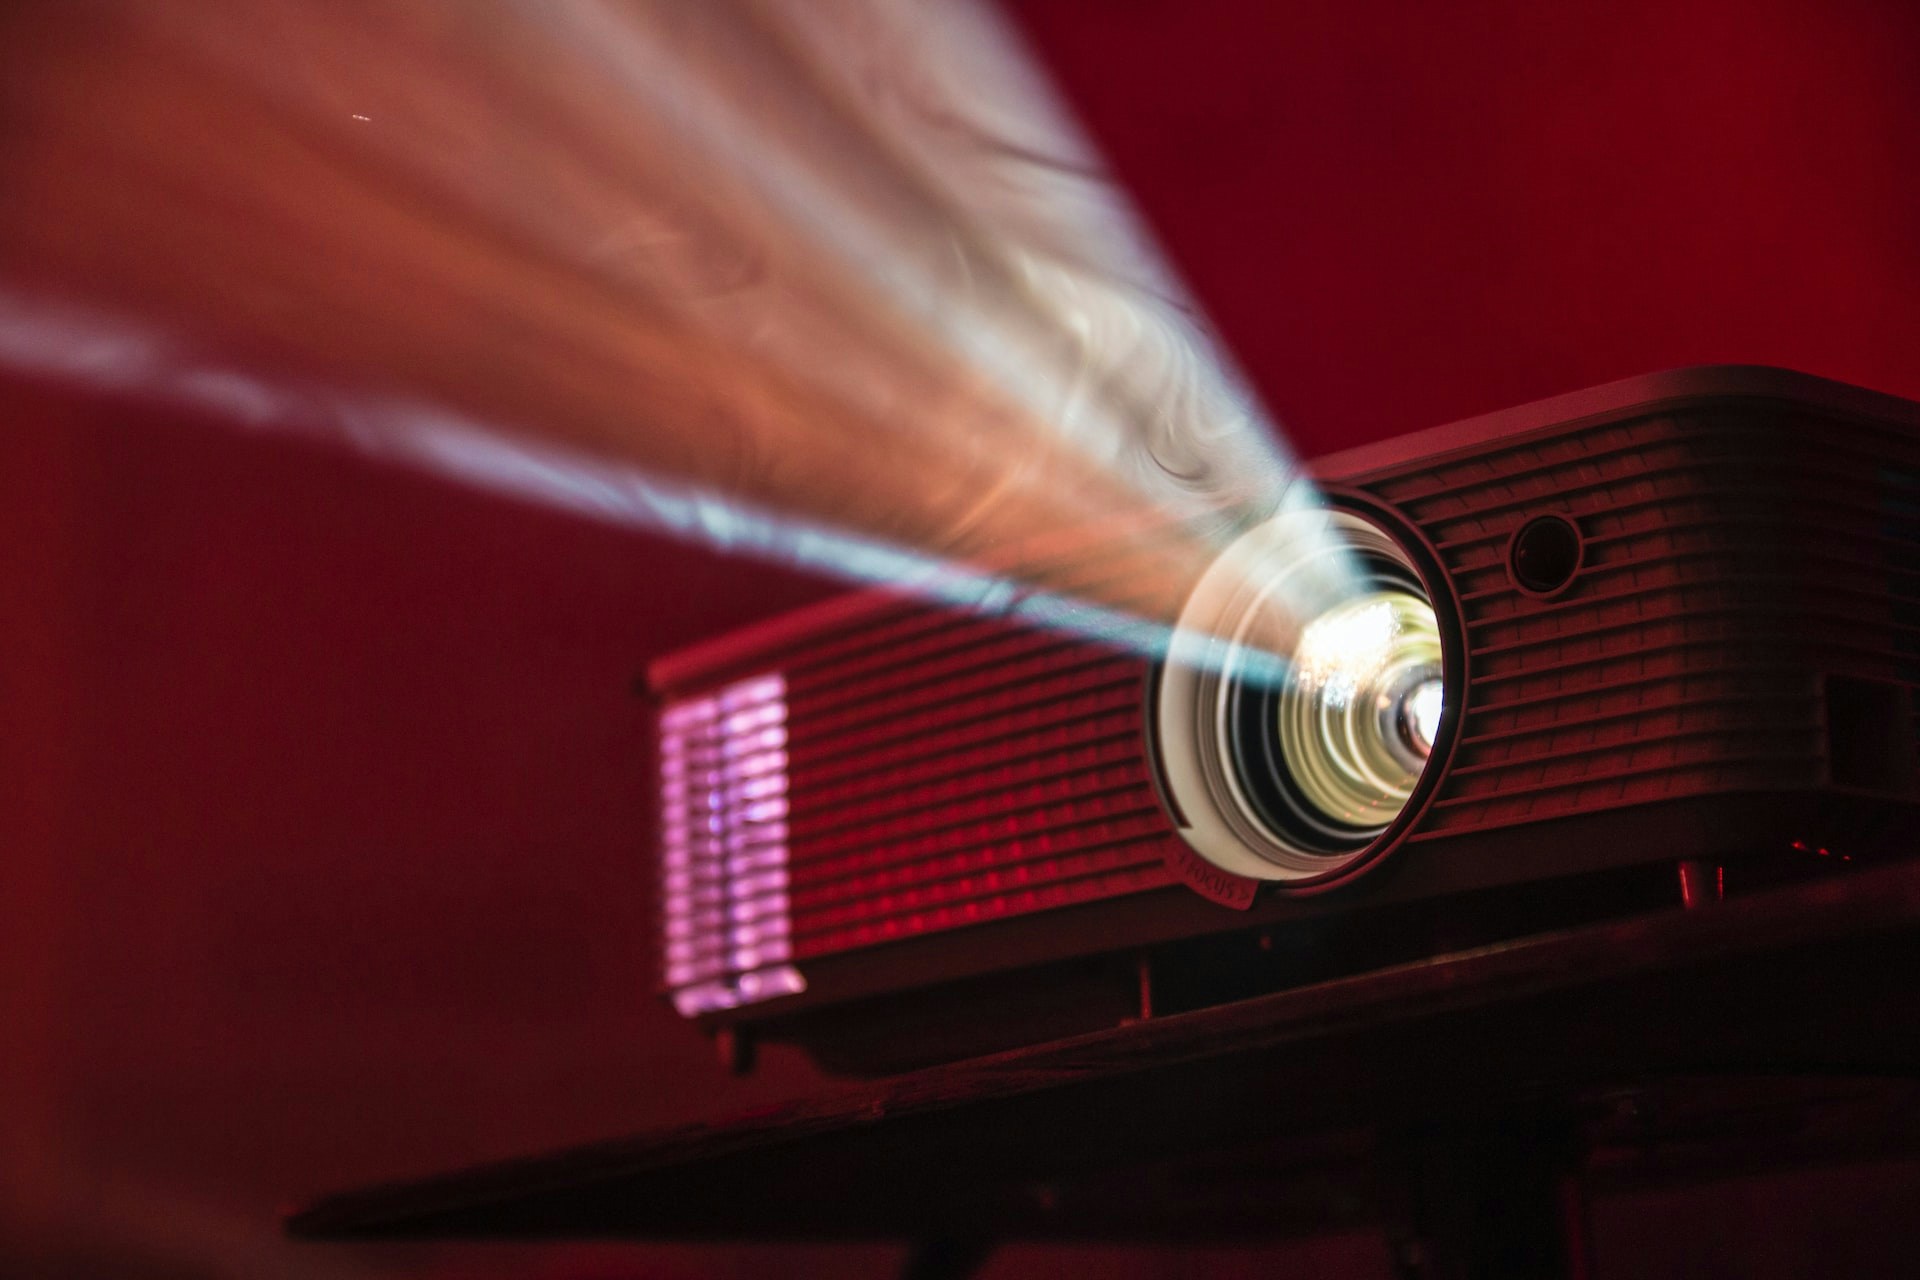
(1304, 698)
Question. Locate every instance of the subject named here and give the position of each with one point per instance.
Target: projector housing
(1681, 620)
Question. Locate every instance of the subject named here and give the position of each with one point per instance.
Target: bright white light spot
(1343, 649)
(1423, 707)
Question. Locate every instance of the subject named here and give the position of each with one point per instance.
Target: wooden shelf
(1778, 1028)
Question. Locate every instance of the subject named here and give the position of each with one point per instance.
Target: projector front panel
(1735, 556)
(961, 793)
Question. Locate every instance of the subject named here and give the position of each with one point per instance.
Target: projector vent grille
(946, 769)
(1899, 522)
(723, 847)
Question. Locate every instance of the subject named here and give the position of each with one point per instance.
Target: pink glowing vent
(723, 806)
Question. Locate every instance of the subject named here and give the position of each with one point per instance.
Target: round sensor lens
(1545, 555)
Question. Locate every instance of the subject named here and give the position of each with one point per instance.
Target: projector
(1542, 667)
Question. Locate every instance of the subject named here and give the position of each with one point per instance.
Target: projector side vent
(1899, 524)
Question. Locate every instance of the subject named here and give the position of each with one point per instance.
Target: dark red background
(325, 802)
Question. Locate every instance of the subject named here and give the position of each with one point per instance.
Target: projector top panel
(1647, 394)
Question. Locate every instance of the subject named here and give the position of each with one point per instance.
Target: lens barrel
(1304, 699)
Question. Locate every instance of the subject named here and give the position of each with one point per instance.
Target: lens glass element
(1349, 730)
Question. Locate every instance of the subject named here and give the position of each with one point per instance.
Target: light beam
(838, 284)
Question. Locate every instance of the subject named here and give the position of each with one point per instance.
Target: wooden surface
(1767, 1030)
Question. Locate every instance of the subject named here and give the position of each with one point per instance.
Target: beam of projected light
(839, 284)
(57, 342)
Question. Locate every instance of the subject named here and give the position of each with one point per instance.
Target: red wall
(1403, 214)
